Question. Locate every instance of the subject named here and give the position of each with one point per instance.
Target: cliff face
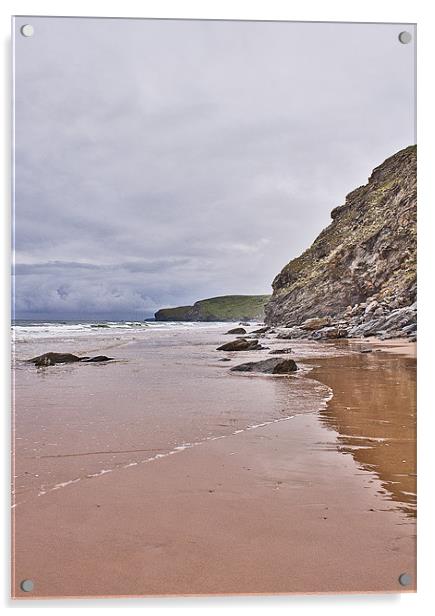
(365, 257)
(225, 308)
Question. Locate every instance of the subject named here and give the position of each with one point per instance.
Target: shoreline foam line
(180, 448)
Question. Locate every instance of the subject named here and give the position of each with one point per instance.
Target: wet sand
(317, 501)
(374, 414)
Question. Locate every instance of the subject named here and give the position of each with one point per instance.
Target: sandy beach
(214, 306)
(163, 473)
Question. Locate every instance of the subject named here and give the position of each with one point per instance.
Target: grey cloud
(159, 162)
(145, 265)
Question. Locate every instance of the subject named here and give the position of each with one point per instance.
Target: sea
(167, 389)
(24, 330)
(32, 336)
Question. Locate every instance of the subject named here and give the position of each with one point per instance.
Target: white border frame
(418, 11)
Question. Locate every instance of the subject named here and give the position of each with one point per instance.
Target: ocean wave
(25, 332)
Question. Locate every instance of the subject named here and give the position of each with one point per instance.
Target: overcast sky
(162, 162)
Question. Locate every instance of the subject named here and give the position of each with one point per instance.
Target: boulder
(262, 330)
(371, 307)
(50, 359)
(293, 332)
(379, 312)
(316, 323)
(237, 330)
(280, 351)
(410, 329)
(268, 366)
(284, 336)
(240, 345)
(328, 333)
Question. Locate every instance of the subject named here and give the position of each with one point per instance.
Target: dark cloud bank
(160, 162)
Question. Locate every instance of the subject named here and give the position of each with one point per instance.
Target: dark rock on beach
(328, 333)
(316, 323)
(237, 330)
(284, 335)
(262, 330)
(292, 333)
(240, 345)
(268, 366)
(280, 351)
(51, 359)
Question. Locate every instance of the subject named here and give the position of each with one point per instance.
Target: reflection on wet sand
(374, 412)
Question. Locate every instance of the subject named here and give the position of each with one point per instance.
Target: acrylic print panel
(214, 346)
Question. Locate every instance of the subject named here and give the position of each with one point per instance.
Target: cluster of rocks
(371, 318)
(273, 365)
(378, 319)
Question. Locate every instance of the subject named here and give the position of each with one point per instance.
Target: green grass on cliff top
(225, 308)
(229, 306)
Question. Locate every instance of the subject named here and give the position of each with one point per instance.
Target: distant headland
(224, 308)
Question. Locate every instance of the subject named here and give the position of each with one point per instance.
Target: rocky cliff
(224, 308)
(359, 275)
